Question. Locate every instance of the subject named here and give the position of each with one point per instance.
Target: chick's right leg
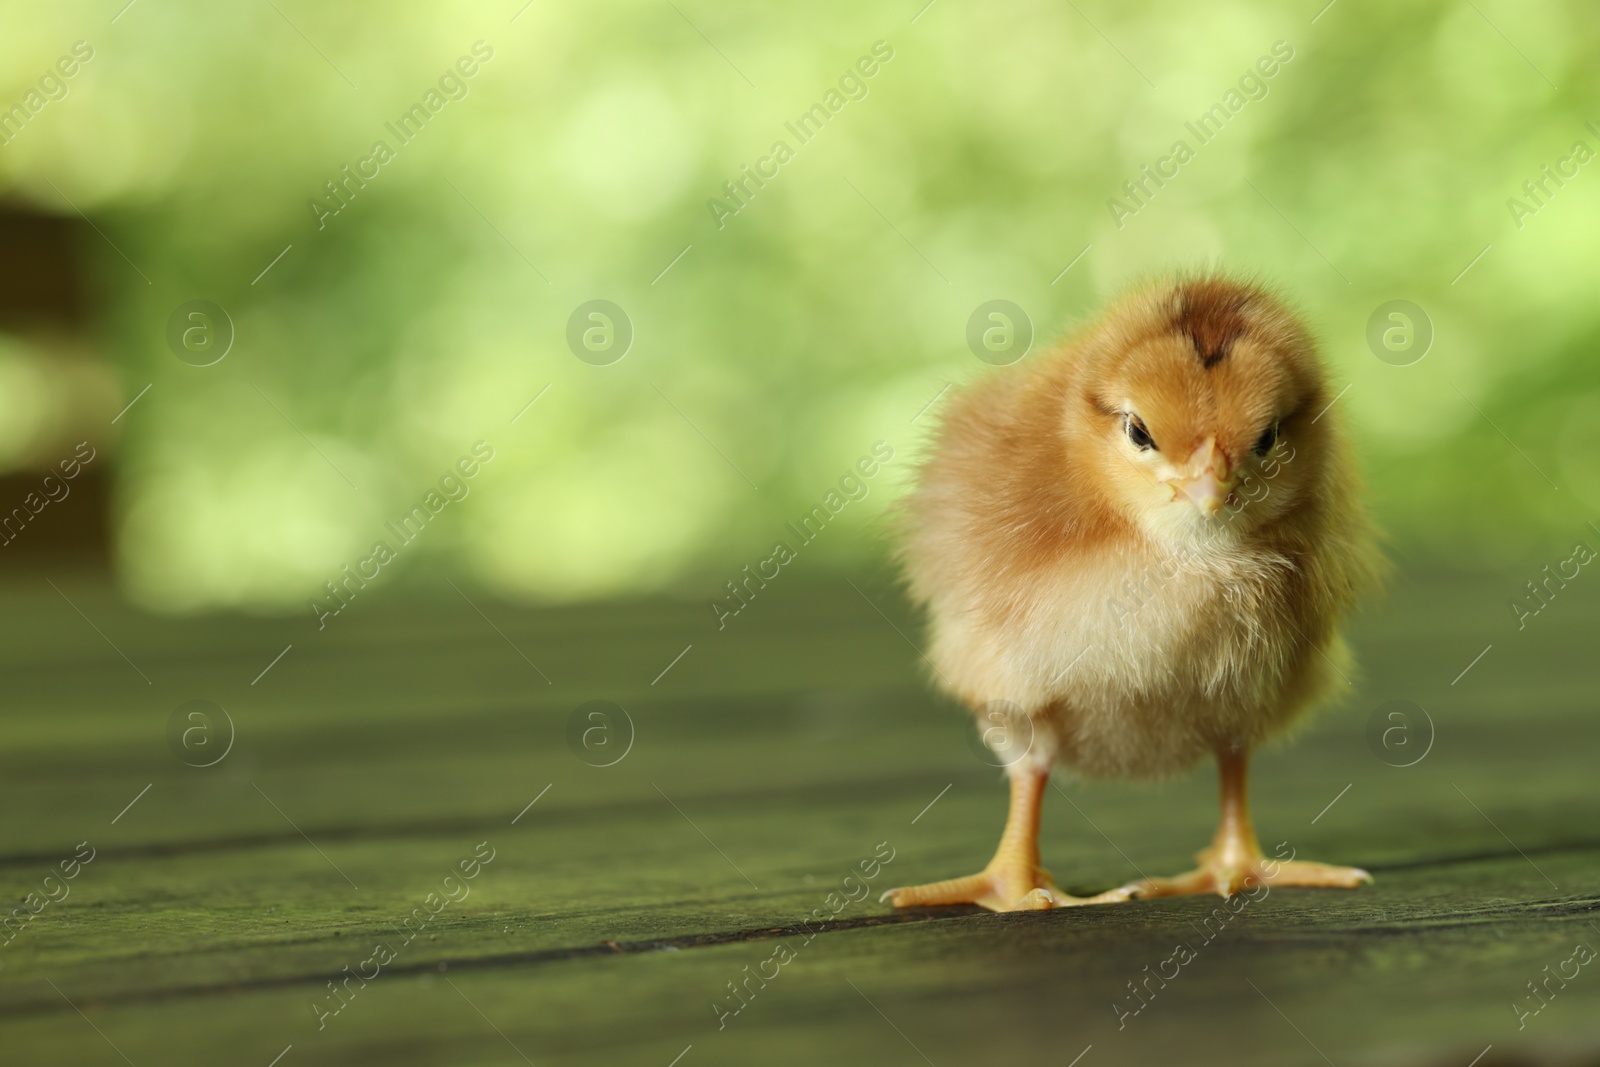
(1013, 879)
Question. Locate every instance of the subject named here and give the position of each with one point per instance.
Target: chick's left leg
(1235, 861)
(1013, 879)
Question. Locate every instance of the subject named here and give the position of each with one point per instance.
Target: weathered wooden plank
(1364, 979)
(795, 740)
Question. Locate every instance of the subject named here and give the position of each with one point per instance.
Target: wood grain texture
(767, 763)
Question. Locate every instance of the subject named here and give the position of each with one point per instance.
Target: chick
(1137, 553)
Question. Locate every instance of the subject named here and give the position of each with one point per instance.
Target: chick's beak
(1208, 481)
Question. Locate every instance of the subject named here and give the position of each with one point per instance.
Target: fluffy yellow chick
(1136, 553)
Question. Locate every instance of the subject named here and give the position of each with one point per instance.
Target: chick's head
(1200, 409)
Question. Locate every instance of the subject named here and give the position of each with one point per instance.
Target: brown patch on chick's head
(1211, 313)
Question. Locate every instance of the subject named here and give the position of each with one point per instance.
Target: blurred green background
(373, 347)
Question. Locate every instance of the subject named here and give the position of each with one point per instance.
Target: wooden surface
(767, 763)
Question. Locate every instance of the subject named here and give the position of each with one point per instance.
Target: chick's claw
(998, 889)
(1319, 875)
(968, 890)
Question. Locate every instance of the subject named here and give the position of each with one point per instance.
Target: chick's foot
(1225, 878)
(1013, 880)
(1001, 886)
(1234, 862)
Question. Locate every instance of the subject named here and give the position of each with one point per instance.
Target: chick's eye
(1137, 434)
(1268, 438)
